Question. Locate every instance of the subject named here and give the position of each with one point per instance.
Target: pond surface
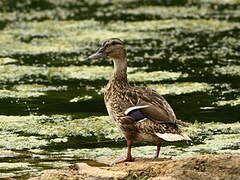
(51, 103)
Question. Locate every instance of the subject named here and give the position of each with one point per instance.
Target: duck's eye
(106, 46)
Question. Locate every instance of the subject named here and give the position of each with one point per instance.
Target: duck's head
(112, 48)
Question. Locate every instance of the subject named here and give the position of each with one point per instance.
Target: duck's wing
(154, 115)
(149, 104)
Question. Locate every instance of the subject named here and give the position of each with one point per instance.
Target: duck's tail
(173, 137)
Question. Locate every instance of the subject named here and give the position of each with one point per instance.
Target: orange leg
(158, 150)
(129, 154)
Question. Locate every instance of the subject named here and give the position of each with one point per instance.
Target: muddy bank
(203, 167)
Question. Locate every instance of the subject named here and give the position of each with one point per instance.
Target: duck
(141, 113)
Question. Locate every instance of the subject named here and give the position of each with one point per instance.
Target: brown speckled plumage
(159, 123)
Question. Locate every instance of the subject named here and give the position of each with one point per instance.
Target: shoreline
(200, 167)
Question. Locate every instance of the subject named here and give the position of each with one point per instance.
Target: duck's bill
(97, 55)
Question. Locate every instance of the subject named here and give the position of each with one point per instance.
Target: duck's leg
(129, 153)
(158, 150)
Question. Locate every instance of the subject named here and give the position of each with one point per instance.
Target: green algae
(80, 72)
(4, 61)
(19, 94)
(169, 12)
(233, 70)
(101, 128)
(14, 165)
(154, 76)
(219, 137)
(8, 153)
(234, 102)
(55, 164)
(18, 142)
(178, 12)
(56, 126)
(220, 1)
(203, 132)
(214, 138)
(26, 124)
(24, 91)
(216, 143)
(19, 169)
(223, 142)
(112, 10)
(14, 73)
(181, 88)
(104, 72)
(193, 25)
(80, 99)
(50, 27)
(54, 36)
(38, 88)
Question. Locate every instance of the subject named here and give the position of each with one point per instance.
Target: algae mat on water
(57, 129)
(215, 138)
(14, 73)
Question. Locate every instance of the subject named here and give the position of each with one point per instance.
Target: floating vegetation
(18, 142)
(228, 70)
(162, 12)
(156, 25)
(220, 2)
(234, 102)
(223, 142)
(210, 129)
(217, 138)
(19, 94)
(181, 88)
(80, 99)
(91, 73)
(14, 73)
(99, 127)
(56, 36)
(28, 91)
(38, 88)
(4, 61)
(8, 153)
(14, 165)
(56, 126)
(80, 72)
(154, 76)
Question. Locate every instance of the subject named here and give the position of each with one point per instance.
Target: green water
(51, 103)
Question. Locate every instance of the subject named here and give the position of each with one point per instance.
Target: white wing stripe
(134, 108)
(143, 120)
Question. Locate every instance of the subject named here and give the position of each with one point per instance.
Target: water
(52, 110)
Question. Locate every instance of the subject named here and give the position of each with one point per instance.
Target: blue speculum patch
(137, 115)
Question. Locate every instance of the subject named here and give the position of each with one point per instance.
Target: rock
(99, 173)
(214, 167)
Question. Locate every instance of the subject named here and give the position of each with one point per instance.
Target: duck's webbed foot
(127, 159)
(129, 154)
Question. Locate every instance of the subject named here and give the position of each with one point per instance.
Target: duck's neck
(119, 76)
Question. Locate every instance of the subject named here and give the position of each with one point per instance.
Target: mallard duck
(140, 112)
